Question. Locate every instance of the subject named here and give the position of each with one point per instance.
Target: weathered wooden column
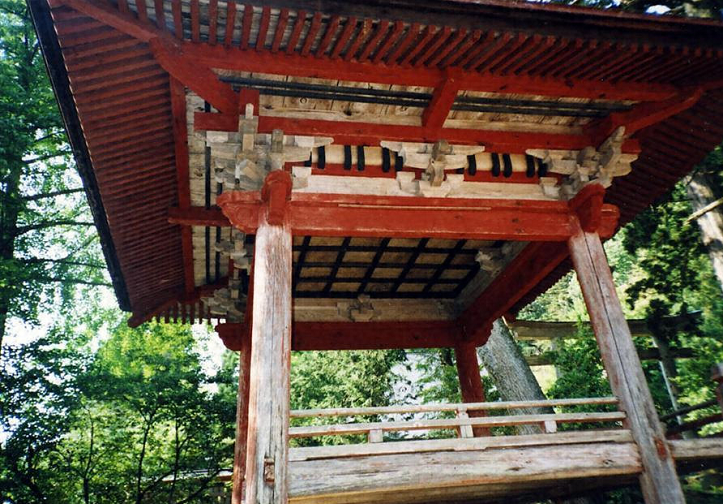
(268, 412)
(242, 417)
(470, 381)
(659, 480)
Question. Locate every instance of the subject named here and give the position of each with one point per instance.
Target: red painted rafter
(442, 100)
(643, 115)
(197, 77)
(180, 134)
(310, 66)
(173, 302)
(167, 50)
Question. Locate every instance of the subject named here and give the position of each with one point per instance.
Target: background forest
(92, 411)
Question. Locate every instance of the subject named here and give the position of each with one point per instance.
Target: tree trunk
(9, 211)
(701, 193)
(514, 380)
(511, 373)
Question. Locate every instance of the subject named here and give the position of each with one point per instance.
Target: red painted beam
(528, 269)
(442, 100)
(358, 133)
(197, 77)
(530, 266)
(180, 137)
(643, 115)
(358, 335)
(349, 215)
(332, 68)
(198, 216)
(407, 217)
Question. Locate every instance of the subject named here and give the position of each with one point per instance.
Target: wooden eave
(119, 76)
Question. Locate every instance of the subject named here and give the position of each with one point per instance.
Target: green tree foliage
(342, 380)
(48, 245)
(133, 421)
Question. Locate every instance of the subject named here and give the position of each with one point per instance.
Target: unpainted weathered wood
(442, 476)
(659, 481)
(242, 419)
(687, 450)
(485, 443)
(267, 453)
(452, 423)
(430, 408)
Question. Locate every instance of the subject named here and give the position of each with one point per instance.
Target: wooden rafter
(311, 67)
(644, 115)
(180, 134)
(295, 64)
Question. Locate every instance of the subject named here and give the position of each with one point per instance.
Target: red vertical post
(242, 414)
(470, 381)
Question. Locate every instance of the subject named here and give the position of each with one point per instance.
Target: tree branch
(53, 194)
(44, 225)
(46, 156)
(36, 260)
(72, 281)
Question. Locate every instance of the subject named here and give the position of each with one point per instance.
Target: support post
(659, 480)
(267, 452)
(470, 381)
(242, 416)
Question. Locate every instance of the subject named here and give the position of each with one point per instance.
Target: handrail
(451, 423)
(689, 409)
(458, 407)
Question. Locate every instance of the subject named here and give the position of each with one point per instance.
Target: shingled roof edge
(40, 14)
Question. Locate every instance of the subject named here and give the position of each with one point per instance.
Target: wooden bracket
(276, 192)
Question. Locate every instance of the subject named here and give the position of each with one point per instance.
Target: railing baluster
(465, 430)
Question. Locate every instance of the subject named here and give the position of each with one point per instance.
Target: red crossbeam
(359, 133)
(408, 217)
(357, 335)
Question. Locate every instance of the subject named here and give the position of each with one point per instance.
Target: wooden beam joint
(276, 192)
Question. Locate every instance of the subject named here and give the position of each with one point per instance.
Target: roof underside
(121, 118)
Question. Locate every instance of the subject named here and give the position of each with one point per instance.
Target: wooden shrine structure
(330, 175)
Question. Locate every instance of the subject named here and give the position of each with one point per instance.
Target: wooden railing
(676, 430)
(463, 422)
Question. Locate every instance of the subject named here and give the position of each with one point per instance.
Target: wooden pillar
(470, 381)
(659, 480)
(268, 431)
(242, 416)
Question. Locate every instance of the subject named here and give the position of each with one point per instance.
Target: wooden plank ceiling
(517, 83)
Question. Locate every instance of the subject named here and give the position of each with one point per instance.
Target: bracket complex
(586, 166)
